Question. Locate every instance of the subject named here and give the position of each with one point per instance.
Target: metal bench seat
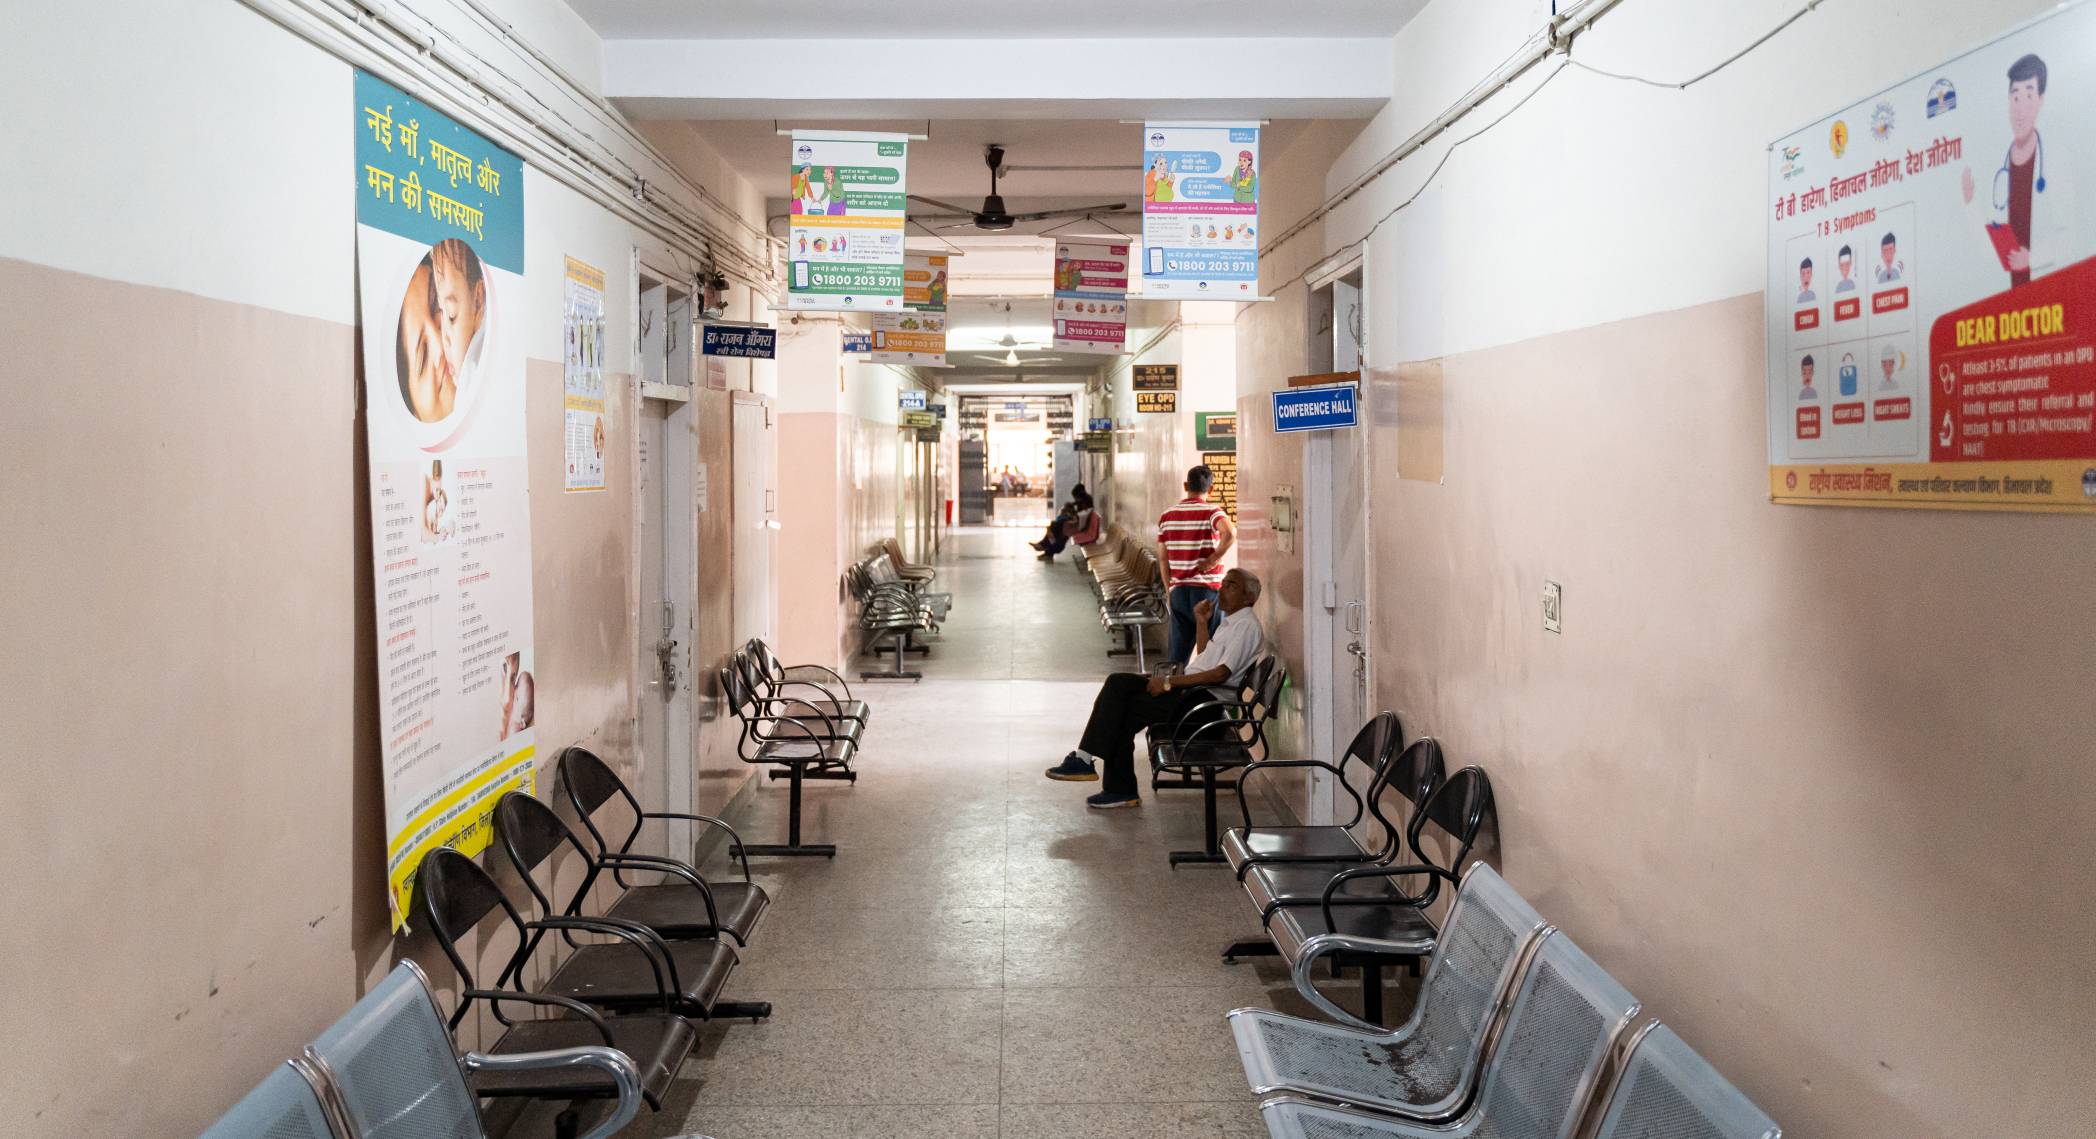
(657, 1043)
(1415, 776)
(1222, 733)
(1539, 1072)
(674, 912)
(1375, 748)
(799, 746)
(1284, 885)
(814, 684)
(1426, 1067)
(290, 1103)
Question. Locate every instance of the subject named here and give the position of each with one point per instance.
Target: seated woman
(1077, 515)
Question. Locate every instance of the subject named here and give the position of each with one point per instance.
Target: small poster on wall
(846, 207)
(1931, 265)
(440, 272)
(582, 332)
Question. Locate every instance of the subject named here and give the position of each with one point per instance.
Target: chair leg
(1372, 993)
(1135, 634)
(1211, 853)
(1250, 947)
(568, 1123)
(793, 846)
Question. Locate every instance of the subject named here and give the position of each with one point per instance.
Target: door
(1336, 558)
(668, 554)
(755, 501)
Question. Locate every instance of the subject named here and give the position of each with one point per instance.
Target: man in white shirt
(1130, 702)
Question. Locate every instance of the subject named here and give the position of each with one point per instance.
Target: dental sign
(844, 243)
(1200, 186)
(1931, 300)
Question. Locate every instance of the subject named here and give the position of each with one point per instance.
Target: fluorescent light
(1011, 358)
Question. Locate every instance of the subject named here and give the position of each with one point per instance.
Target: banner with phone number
(1931, 299)
(847, 205)
(1201, 210)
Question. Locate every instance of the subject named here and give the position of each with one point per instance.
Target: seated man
(1129, 702)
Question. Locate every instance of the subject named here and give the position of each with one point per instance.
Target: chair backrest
(1461, 807)
(1667, 1089)
(589, 783)
(390, 1058)
(1476, 955)
(453, 895)
(1412, 775)
(1546, 1060)
(529, 832)
(768, 664)
(288, 1104)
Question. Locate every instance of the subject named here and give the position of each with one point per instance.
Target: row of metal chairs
(388, 1068)
(1224, 732)
(1130, 589)
(1516, 1033)
(800, 721)
(896, 607)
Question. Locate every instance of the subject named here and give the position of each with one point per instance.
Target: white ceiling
(1013, 19)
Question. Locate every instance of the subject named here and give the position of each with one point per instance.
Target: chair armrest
(495, 997)
(669, 866)
(612, 1062)
(1250, 770)
(710, 821)
(1324, 944)
(650, 943)
(1434, 875)
(798, 709)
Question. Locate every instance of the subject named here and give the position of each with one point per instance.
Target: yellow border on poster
(2044, 486)
(469, 833)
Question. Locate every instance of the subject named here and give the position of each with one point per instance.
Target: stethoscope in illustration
(2001, 176)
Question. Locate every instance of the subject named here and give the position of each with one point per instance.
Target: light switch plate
(1553, 607)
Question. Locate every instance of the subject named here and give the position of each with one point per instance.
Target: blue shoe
(1073, 769)
(1111, 800)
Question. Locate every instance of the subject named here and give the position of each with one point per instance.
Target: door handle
(1356, 613)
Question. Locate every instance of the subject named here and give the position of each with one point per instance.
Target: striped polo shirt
(1188, 532)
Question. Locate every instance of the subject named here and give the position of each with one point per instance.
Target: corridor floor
(985, 957)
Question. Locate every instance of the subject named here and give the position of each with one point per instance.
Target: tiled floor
(985, 957)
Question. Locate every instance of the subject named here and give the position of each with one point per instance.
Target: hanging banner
(1201, 210)
(917, 336)
(845, 243)
(1931, 299)
(440, 264)
(1091, 296)
(582, 370)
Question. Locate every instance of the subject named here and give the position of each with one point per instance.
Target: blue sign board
(858, 342)
(746, 341)
(1098, 425)
(1316, 409)
(938, 409)
(913, 399)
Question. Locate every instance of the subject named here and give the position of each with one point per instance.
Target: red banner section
(1848, 413)
(1886, 410)
(1806, 318)
(1891, 300)
(2015, 374)
(1847, 308)
(1808, 423)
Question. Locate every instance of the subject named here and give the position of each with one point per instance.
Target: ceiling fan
(993, 216)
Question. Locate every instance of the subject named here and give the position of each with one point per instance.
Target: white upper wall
(1601, 199)
(943, 19)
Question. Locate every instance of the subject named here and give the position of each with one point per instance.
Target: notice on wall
(845, 241)
(1091, 296)
(1155, 378)
(917, 335)
(1201, 210)
(440, 269)
(701, 486)
(1150, 403)
(1223, 465)
(582, 332)
(1931, 294)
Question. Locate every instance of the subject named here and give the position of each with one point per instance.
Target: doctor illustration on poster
(2030, 212)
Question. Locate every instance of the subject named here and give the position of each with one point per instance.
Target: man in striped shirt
(1194, 536)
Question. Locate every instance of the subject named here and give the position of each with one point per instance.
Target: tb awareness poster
(582, 333)
(916, 335)
(845, 241)
(1931, 293)
(440, 263)
(1091, 296)
(1201, 210)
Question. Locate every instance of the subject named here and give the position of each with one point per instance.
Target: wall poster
(582, 333)
(1931, 300)
(1223, 465)
(845, 241)
(1091, 296)
(1201, 210)
(917, 335)
(440, 264)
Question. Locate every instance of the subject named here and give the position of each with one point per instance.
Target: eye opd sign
(1316, 409)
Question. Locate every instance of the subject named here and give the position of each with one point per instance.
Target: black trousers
(1123, 708)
